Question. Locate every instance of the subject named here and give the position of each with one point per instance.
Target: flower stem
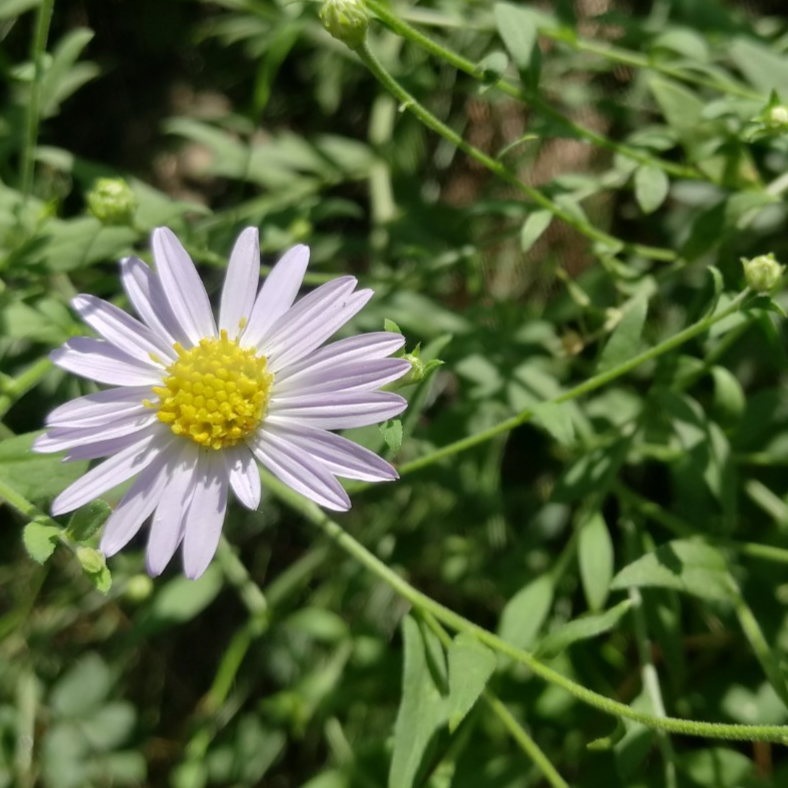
(456, 622)
(530, 98)
(407, 101)
(43, 19)
(593, 383)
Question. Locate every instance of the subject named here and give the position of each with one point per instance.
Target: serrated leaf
(526, 611)
(533, 228)
(102, 580)
(392, 434)
(651, 187)
(595, 555)
(692, 567)
(87, 520)
(556, 419)
(40, 540)
(470, 666)
(624, 342)
(422, 710)
(581, 629)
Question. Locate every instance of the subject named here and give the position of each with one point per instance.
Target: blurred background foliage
(655, 123)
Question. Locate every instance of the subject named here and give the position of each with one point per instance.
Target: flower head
(762, 273)
(196, 403)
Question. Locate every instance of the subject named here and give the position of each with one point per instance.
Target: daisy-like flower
(197, 403)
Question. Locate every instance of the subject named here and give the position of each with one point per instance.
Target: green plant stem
(402, 28)
(456, 622)
(679, 527)
(407, 101)
(647, 668)
(597, 381)
(16, 387)
(43, 20)
(627, 57)
(517, 732)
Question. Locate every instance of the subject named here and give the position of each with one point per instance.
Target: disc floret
(215, 393)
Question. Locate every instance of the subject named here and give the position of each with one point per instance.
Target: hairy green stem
(518, 733)
(597, 381)
(43, 19)
(407, 101)
(647, 668)
(402, 28)
(456, 622)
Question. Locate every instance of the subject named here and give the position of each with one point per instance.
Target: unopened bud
(763, 273)
(777, 117)
(138, 588)
(92, 560)
(112, 201)
(346, 20)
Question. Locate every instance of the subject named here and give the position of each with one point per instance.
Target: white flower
(196, 404)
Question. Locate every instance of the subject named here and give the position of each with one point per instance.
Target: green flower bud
(92, 560)
(777, 117)
(138, 588)
(111, 201)
(346, 20)
(763, 273)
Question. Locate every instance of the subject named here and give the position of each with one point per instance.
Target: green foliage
(552, 203)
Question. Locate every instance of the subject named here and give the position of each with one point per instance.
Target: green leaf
(40, 540)
(87, 520)
(692, 567)
(765, 69)
(470, 666)
(36, 477)
(392, 433)
(624, 342)
(682, 109)
(421, 712)
(729, 399)
(182, 599)
(12, 8)
(64, 75)
(717, 766)
(526, 611)
(518, 32)
(102, 580)
(595, 554)
(556, 419)
(533, 227)
(581, 629)
(391, 327)
(651, 187)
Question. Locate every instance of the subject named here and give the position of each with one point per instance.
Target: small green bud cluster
(112, 201)
(763, 273)
(346, 20)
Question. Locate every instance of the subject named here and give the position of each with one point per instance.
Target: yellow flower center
(215, 393)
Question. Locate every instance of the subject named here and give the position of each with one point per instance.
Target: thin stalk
(456, 622)
(43, 20)
(407, 101)
(647, 669)
(517, 732)
(592, 384)
(16, 387)
(402, 28)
